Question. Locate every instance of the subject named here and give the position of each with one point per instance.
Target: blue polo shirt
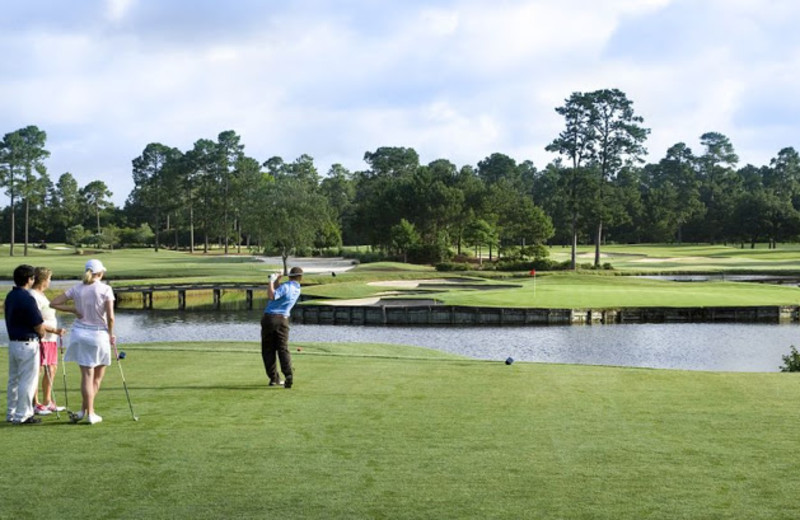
(22, 314)
(286, 296)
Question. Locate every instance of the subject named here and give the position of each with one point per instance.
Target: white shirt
(48, 314)
(90, 301)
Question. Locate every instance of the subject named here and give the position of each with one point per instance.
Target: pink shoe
(41, 410)
(53, 408)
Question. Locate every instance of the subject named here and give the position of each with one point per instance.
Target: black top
(22, 315)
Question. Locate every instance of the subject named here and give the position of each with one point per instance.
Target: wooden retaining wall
(455, 315)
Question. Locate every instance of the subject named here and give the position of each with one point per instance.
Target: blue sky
(453, 79)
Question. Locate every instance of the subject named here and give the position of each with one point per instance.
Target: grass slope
(702, 258)
(377, 432)
(590, 291)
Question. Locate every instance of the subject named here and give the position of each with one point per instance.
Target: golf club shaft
(63, 373)
(124, 383)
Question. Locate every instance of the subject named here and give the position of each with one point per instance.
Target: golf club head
(121, 355)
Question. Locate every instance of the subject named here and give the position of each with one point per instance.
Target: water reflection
(697, 346)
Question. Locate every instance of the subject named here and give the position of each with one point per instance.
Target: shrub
(365, 257)
(791, 362)
(452, 266)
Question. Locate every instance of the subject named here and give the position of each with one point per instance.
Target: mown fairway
(689, 258)
(389, 432)
(165, 266)
(571, 291)
(553, 290)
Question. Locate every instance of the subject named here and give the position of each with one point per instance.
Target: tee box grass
(373, 431)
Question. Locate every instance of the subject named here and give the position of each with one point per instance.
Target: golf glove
(273, 277)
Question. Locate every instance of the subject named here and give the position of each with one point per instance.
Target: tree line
(598, 189)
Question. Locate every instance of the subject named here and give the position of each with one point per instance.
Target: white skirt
(89, 347)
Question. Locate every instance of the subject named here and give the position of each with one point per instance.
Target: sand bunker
(413, 284)
(357, 301)
(682, 259)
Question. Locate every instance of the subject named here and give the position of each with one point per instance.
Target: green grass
(379, 432)
(128, 264)
(689, 258)
(574, 291)
(553, 290)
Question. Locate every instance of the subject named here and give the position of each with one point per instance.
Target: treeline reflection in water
(735, 347)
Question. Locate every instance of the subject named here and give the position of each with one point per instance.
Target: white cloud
(117, 9)
(456, 80)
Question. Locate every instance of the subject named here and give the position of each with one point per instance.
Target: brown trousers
(275, 342)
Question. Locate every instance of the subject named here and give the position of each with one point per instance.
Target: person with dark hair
(25, 328)
(275, 326)
(91, 336)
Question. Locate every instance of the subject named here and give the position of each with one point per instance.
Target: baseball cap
(95, 266)
(295, 271)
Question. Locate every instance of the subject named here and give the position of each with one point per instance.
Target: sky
(333, 79)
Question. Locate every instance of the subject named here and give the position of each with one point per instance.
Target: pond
(688, 346)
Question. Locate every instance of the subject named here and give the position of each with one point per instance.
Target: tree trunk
(191, 229)
(27, 214)
(13, 225)
(597, 244)
(574, 252)
(226, 231)
(158, 226)
(285, 258)
(238, 236)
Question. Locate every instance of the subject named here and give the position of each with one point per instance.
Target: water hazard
(738, 347)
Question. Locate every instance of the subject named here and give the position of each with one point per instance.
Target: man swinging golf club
(275, 326)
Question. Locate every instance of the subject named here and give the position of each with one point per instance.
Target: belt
(83, 326)
(25, 340)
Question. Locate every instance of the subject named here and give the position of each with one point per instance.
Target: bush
(791, 362)
(429, 253)
(541, 264)
(453, 266)
(366, 257)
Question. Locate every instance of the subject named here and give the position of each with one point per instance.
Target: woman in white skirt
(91, 336)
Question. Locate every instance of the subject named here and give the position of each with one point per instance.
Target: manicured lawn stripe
(387, 437)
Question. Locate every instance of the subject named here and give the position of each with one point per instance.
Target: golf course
(382, 431)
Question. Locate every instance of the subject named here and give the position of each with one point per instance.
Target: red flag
(533, 272)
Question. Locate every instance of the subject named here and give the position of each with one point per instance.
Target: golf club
(120, 357)
(64, 373)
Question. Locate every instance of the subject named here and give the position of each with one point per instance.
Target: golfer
(92, 335)
(275, 326)
(48, 352)
(25, 326)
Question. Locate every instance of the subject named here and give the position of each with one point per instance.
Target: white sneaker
(94, 418)
(76, 417)
(41, 409)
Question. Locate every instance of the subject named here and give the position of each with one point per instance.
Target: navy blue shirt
(22, 314)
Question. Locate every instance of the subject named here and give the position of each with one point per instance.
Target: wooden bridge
(147, 291)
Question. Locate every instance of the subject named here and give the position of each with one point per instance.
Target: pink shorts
(49, 353)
